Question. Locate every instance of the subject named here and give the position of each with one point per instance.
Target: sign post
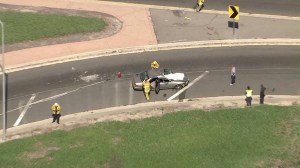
(233, 27)
(233, 13)
(3, 84)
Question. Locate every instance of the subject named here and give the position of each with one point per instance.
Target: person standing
(262, 94)
(248, 93)
(233, 75)
(200, 5)
(146, 87)
(56, 112)
(154, 65)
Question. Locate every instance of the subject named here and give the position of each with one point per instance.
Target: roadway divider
(142, 110)
(158, 47)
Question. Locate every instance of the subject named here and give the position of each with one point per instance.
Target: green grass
(263, 136)
(21, 26)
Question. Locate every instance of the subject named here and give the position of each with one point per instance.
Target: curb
(158, 47)
(140, 111)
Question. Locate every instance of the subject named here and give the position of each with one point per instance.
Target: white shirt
(233, 71)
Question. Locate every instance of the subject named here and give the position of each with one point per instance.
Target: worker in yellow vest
(200, 5)
(248, 96)
(154, 65)
(146, 87)
(55, 112)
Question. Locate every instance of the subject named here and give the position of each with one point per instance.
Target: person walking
(248, 96)
(154, 65)
(56, 112)
(146, 87)
(233, 75)
(262, 94)
(200, 5)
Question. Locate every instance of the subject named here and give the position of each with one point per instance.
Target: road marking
(189, 85)
(130, 93)
(117, 92)
(24, 110)
(212, 11)
(57, 96)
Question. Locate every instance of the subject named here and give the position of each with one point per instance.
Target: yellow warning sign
(233, 12)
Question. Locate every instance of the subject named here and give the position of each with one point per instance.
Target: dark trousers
(248, 101)
(56, 118)
(199, 8)
(261, 99)
(232, 79)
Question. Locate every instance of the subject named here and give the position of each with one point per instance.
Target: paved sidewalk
(137, 30)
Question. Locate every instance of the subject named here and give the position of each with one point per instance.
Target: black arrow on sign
(235, 12)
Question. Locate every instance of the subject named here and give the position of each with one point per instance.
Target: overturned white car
(160, 80)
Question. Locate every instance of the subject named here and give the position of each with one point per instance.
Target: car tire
(179, 86)
(157, 87)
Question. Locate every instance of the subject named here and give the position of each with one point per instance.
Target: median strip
(158, 47)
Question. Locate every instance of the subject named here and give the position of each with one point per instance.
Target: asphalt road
(93, 83)
(181, 26)
(274, 7)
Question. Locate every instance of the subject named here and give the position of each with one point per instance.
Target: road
(93, 84)
(273, 7)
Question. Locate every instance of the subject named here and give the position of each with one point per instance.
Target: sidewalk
(151, 109)
(137, 30)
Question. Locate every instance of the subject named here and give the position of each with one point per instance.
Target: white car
(160, 80)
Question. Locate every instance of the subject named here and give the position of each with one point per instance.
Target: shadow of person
(181, 97)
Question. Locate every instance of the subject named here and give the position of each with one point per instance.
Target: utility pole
(3, 85)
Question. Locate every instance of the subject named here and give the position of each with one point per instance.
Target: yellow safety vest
(56, 109)
(200, 2)
(154, 65)
(249, 93)
(146, 85)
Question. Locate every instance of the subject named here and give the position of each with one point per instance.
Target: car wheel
(179, 86)
(157, 87)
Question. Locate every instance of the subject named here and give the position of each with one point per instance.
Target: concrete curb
(140, 111)
(158, 47)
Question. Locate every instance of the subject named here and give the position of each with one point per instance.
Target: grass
(25, 26)
(264, 136)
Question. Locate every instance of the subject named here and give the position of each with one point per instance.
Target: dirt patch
(75, 145)
(289, 129)
(259, 163)
(116, 140)
(113, 26)
(41, 152)
(277, 163)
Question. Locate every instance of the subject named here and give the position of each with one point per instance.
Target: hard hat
(55, 104)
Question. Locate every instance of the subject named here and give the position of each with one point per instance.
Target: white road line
(56, 96)
(117, 93)
(24, 110)
(130, 93)
(189, 85)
